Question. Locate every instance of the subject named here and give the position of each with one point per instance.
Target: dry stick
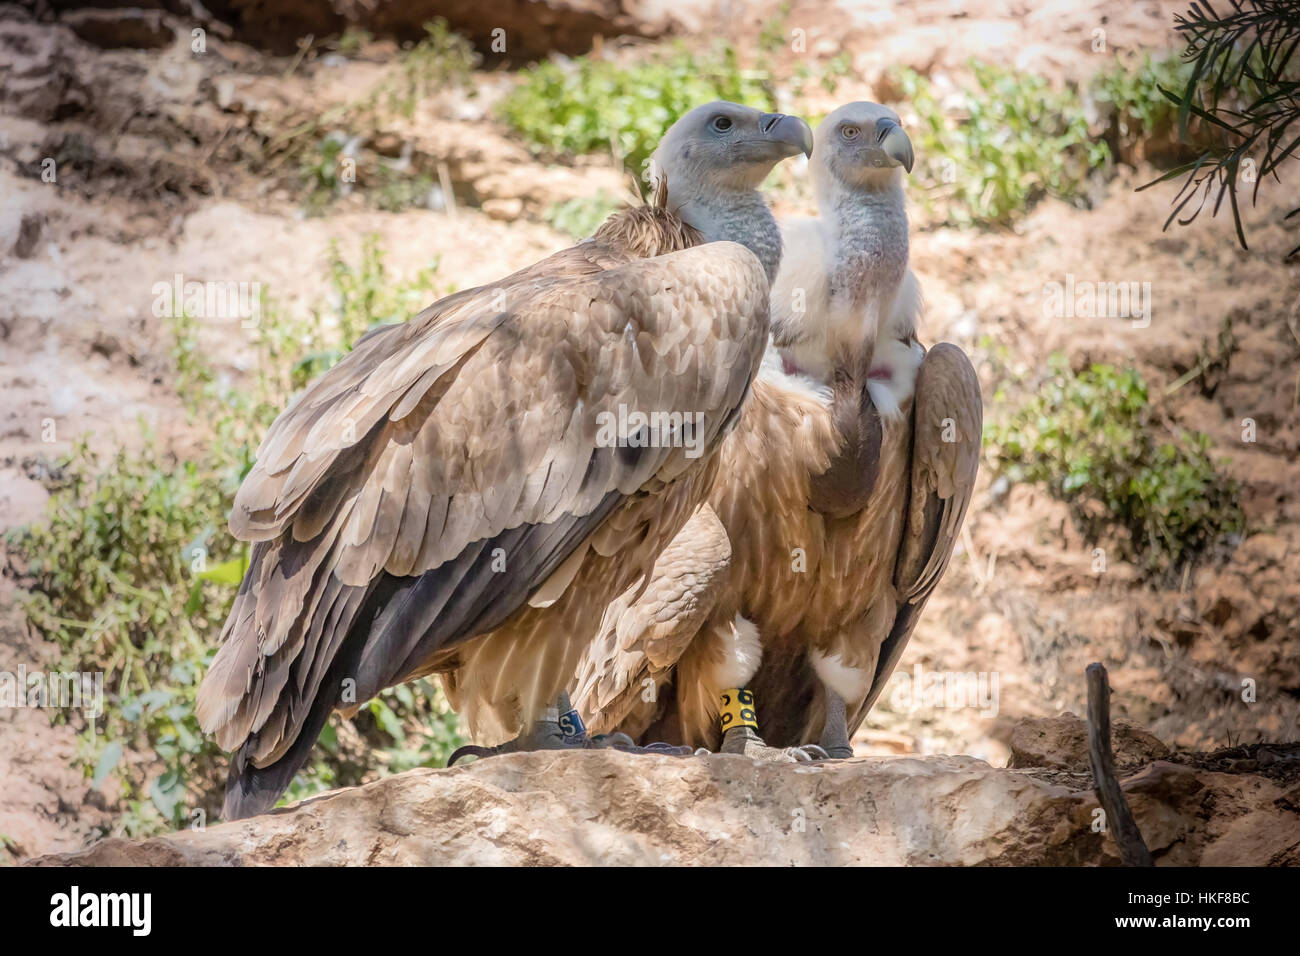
(1119, 818)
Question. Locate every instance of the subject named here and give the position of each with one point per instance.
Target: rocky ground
(607, 808)
(174, 163)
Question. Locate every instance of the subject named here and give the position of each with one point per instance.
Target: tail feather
(252, 790)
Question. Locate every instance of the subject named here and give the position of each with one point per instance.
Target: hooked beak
(894, 143)
(790, 133)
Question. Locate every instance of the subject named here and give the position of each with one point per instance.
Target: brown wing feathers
(948, 421)
(844, 488)
(381, 496)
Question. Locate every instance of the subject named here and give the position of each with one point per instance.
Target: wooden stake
(1119, 818)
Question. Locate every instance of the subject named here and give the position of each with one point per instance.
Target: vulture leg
(741, 735)
(544, 734)
(575, 735)
(835, 733)
(745, 740)
(563, 729)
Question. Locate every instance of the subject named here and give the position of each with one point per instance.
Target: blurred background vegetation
(135, 570)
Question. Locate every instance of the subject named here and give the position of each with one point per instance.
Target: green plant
(319, 172)
(401, 190)
(133, 571)
(1017, 139)
(113, 570)
(1092, 438)
(772, 34)
(360, 297)
(440, 59)
(352, 40)
(1131, 90)
(1243, 84)
(590, 104)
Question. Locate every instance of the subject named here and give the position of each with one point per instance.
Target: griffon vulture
(786, 601)
(442, 499)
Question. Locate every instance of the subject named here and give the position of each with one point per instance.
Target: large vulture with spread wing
(786, 601)
(443, 501)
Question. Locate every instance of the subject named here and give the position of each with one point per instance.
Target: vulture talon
(622, 742)
(472, 750)
(672, 750)
(777, 754)
(544, 735)
(660, 748)
(746, 741)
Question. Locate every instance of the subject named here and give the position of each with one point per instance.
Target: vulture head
(711, 163)
(851, 261)
(861, 146)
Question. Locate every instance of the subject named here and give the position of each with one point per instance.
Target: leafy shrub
(1091, 438)
(1018, 139)
(114, 574)
(1131, 91)
(1014, 138)
(590, 104)
(382, 182)
(133, 571)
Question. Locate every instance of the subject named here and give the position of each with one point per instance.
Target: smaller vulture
(449, 499)
(786, 601)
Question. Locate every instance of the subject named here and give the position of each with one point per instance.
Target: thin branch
(1119, 818)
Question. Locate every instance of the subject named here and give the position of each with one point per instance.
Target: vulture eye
(722, 123)
(850, 132)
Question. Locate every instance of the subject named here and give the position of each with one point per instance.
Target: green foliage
(772, 34)
(1018, 140)
(1015, 138)
(114, 588)
(580, 216)
(442, 58)
(133, 571)
(1132, 92)
(1091, 438)
(381, 181)
(590, 104)
(352, 40)
(1244, 86)
(401, 190)
(319, 173)
(361, 297)
(828, 75)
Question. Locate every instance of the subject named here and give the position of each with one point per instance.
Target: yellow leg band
(737, 709)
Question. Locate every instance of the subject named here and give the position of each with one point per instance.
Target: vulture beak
(893, 143)
(789, 132)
